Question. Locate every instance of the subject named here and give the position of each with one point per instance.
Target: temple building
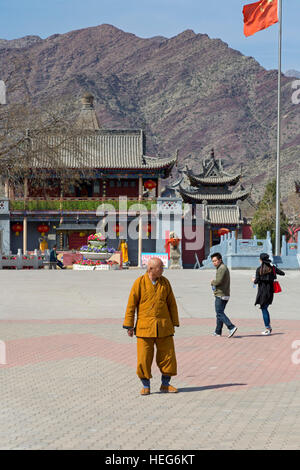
(70, 175)
(222, 196)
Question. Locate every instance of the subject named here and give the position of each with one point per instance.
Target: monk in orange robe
(152, 299)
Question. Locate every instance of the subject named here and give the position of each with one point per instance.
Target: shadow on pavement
(208, 387)
(256, 336)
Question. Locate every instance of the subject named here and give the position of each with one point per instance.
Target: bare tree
(41, 143)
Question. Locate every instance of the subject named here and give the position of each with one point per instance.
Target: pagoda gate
(221, 195)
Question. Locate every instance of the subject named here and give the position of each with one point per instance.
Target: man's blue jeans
(221, 317)
(266, 316)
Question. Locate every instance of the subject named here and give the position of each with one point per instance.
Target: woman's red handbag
(276, 285)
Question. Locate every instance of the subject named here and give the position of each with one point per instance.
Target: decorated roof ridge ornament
(212, 173)
(87, 119)
(87, 100)
(176, 183)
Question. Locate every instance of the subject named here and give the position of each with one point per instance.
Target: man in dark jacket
(54, 260)
(221, 288)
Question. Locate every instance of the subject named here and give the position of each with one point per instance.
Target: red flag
(259, 15)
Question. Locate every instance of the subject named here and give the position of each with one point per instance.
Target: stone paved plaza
(70, 381)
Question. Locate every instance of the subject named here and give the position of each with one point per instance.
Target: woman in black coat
(265, 277)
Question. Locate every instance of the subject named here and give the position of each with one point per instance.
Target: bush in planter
(97, 237)
(89, 262)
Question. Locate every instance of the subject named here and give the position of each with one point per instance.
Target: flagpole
(277, 229)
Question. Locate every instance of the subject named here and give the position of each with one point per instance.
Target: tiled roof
(222, 215)
(103, 149)
(214, 180)
(198, 196)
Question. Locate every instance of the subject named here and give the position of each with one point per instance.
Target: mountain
(189, 92)
(292, 73)
(19, 43)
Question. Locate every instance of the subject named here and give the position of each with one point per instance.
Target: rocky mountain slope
(189, 92)
(19, 43)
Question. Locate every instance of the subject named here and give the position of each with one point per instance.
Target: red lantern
(150, 184)
(17, 228)
(223, 231)
(118, 229)
(43, 228)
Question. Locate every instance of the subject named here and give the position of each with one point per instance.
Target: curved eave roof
(159, 163)
(147, 164)
(199, 197)
(176, 184)
(213, 180)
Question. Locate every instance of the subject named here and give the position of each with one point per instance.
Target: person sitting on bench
(53, 259)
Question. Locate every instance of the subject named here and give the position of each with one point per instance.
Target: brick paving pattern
(70, 383)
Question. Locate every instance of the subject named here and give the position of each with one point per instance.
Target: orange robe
(157, 315)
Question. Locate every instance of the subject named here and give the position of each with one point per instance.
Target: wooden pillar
(140, 242)
(158, 187)
(210, 238)
(25, 216)
(25, 234)
(25, 188)
(140, 188)
(61, 197)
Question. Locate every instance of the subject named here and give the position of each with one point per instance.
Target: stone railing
(22, 261)
(290, 254)
(239, 253)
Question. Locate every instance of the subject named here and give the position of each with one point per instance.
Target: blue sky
(146, 18)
